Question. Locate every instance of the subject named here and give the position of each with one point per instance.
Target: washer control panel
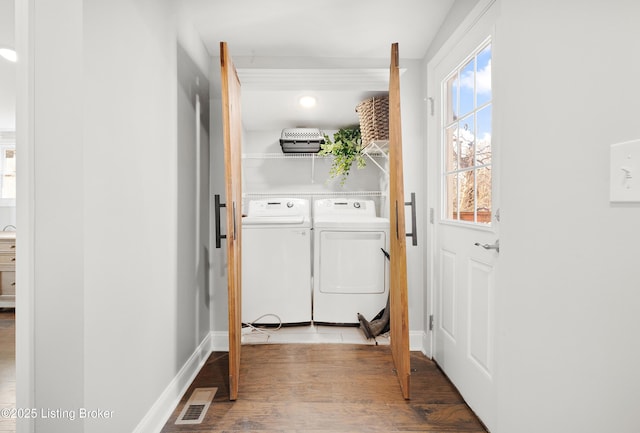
(275, 207)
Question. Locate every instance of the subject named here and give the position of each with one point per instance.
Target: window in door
(466, 132)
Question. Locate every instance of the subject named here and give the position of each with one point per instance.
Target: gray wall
(119, 281)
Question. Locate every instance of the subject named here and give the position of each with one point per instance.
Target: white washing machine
(350, 272)
(276, 261)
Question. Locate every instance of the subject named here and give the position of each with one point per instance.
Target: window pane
(466, 131)
(467, 195)
(483, 76)
(466, 139)
(451, 148)
(483, 146)
(483, 181)
(451, 99)
(451, 206)
(467, 86)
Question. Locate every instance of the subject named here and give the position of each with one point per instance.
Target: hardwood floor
(303, 388)
(7, 366)
(327, 388)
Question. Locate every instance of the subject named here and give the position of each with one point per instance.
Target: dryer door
(351, 262)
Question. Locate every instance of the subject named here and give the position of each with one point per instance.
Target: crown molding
(369, 79)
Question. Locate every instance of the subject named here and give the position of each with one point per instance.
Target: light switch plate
(625, 172)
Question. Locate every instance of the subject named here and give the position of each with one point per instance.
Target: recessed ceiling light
(9, 54)
(307, 101)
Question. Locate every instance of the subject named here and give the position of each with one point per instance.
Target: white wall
(566, 297)
(119, 279)
(298, 175)
(59, 247)
(7, 69)
(8, 85)
(568, 294)
(412, 111)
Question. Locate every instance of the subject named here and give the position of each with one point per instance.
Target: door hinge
(430, 99)
(431, 322)
(432, 215)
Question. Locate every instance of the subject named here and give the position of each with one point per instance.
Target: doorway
(398, 297)
(465, 199)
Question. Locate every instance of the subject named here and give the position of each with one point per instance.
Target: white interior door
(467, 217)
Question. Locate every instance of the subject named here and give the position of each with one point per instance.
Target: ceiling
(336, 50)
(317, 28)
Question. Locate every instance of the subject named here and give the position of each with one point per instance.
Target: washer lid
(351, 223)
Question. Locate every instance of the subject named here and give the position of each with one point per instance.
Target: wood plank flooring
(327, 388)
(7, 366)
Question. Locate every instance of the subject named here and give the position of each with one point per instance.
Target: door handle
(414, 228)
(235, 229)
(218, 206)
(494, 246)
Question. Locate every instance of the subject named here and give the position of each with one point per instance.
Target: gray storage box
(301, 140)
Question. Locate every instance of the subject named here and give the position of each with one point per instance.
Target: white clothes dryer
(276, 261)
(350, 272)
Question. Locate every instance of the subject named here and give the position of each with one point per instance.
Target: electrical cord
(253, 327)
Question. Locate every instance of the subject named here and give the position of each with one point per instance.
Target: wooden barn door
(398, 265)
(232, 162)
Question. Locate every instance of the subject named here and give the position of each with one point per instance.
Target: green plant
(345, 148)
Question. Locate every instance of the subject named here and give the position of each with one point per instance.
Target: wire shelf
(279, 155)
(316, 194)
(370, 151)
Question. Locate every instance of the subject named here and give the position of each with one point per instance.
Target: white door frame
(25, 213)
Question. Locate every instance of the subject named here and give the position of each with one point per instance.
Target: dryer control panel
(344, 207)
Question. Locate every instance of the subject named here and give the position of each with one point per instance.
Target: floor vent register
(196, 407)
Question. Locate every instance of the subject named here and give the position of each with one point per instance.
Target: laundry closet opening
(313, 246)
(349, 229)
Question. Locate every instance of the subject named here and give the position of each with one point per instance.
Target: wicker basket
(374, 119)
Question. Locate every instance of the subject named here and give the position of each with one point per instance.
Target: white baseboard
(157, 416)
(219, 341)
(416, 341)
